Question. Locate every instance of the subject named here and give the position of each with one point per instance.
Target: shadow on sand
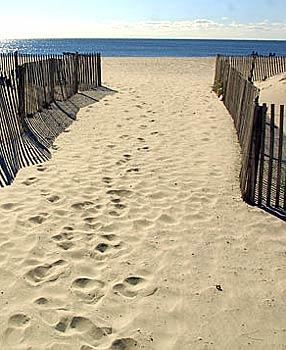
(31, 145)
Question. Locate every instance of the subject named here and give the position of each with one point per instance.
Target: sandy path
(134, 235)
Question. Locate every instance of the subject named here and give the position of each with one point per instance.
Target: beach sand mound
(273, 90)
(134, 235)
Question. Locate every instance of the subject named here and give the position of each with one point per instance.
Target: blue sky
(257, 19)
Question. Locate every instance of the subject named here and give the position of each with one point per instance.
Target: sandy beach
(134, 235)
(273, 90)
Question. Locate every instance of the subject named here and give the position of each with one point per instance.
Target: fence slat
(280, 155)
(271, 155)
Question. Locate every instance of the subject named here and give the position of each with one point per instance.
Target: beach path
(134, 235)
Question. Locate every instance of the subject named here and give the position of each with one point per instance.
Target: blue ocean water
(146, 47)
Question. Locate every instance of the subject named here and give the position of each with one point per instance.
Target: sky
(213, 19)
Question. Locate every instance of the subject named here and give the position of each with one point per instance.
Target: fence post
(99, 69)
(52, 71)
(254, 153)
(76, 72)
(251, 73)
(16, 61)
(217, 67)
(21, 71)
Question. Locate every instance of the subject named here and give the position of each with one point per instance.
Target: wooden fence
(271, 177)
(261, 134)
(256, 68)
(17, 148)
(29, 84)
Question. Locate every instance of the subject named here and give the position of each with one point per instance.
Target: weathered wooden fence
(261, 134)
(17, 148)
(271, 177)
(29, 84)
(255, 68)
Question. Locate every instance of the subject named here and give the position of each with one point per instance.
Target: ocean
(146, 47)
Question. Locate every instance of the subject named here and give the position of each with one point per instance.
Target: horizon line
(142, 38)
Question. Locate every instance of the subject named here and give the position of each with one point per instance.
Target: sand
(134, 234)
(273, 90)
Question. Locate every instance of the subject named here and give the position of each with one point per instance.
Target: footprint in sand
(41, 168)
(53, 198)
(30, 181)
(110, 246)
(88, 290)
(120, 193)
(133, 170)
(133, 286)
(8, 206)
(82, 205)
(66, 235)
(91, 223)
(41, 301)
(90, 220)
(124, 344)
(66, 245)
(109, 237)
(19, 320)
(125, 136)
(145, 148)
(114, 213)
(38, 219)
(119, 205)
(47, 272)
(127, 156)
(107, 180)
(83, 327)
(121, 161)
(64, 238)
(13, 334)
(102, 247)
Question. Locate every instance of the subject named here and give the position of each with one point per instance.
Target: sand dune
(273, 90)
(134, 235)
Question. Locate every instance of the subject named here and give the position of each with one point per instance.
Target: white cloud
(196, 28)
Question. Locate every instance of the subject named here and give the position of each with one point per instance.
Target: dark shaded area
(270, 192)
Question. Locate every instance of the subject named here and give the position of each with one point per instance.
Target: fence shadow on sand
(39, 98)
(40, 130)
